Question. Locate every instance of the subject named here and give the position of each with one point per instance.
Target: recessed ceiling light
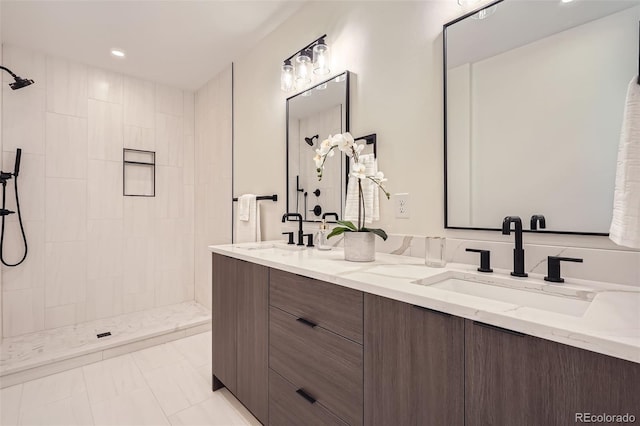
(118, 53)
(566, 1)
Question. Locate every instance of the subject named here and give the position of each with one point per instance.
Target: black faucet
(553, 272)
(538, 218)
(518, 252)
(286, 216)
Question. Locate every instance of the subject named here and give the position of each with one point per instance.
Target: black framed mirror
(312, 116)
(534, 93)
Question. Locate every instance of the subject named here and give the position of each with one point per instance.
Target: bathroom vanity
(303, 337)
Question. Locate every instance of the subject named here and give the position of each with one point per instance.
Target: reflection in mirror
(534, 100)
(312, 116)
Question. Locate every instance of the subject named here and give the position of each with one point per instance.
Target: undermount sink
(543, 297)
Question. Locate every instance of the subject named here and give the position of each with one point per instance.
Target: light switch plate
(402, 205)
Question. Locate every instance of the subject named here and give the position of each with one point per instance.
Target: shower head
(19, 81)
(309, 141)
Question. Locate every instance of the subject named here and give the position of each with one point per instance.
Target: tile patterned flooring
(168, 384)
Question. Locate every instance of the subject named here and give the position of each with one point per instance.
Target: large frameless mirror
(312, 116)
(534, 100)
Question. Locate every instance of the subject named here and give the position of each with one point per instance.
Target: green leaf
(379, 232)
(348, 224)
(338, 230)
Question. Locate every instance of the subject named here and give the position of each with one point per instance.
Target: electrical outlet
(402, 205)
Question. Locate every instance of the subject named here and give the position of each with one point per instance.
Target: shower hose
(24, 237)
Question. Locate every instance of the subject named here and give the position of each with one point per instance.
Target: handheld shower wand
(4, 177)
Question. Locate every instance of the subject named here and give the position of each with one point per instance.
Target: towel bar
(273, 197)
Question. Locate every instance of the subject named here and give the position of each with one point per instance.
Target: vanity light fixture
(303, 69)
(566, 1)
(287, 76)
(321, 58)
(298, 70)
(118, 53)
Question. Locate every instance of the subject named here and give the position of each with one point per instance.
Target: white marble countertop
(610, 325)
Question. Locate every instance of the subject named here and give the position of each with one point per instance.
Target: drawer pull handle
(422, 308)
(306, 396)
(307, 322)
(503, 330)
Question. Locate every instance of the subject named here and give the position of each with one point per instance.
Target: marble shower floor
(46, 352)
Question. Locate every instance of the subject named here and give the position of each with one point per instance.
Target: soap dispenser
(321, 237)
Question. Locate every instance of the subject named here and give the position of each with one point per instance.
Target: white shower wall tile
(189, 159)
(169, 100)
(106, 132)
(138, 216)
(23, 311)
(66, 210)
(169, 193)
(32, 63)
(105, 200)
(66, 273)
(139, 102)
(30, 187)
(59, 316)
(169, 140)
(104, 258)
(105, 85)
(66, 146)
(66, 87)
(104, 297)
(29, 274)
(23, 119)
(189, 112)
(139, 138)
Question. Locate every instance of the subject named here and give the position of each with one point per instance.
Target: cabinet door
(224, 323)
(513, 378)
(253, 331)
(414, 363)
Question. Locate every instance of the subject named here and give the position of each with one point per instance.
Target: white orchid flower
(379, 177)
(318, 160)
(326, 144)
(358, 171)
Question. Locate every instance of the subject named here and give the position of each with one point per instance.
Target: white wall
(395, 51)
(92, 252)
(213, 153)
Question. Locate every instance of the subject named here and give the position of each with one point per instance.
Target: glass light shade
(322, 86)
(467, 2)
(303, 69)
(287, 77)
(321, 58)
(485, 13)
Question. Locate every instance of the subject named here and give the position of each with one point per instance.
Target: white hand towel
(244, 206)
(625, 225)
(369, 191)
(248, 230)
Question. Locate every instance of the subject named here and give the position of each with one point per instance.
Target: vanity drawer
(324, 364)
(288, 408)
(330, 306)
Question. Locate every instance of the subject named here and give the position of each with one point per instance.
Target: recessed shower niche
(138, 173)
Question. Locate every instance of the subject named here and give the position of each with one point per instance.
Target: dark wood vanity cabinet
(315, 351)
(513, 378)
(298, 351)
(240, 332)
(414, 365)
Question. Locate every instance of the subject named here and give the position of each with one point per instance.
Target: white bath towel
(248, 230)
(625, 225)
(244, 206)
(370, 192)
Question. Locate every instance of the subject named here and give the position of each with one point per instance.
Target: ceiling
(179, 43)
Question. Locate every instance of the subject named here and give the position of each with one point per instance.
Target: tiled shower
(94, 253)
